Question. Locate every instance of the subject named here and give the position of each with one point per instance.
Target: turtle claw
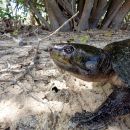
(72, 125)
(84, 112)
(80, 116)
(87, 120)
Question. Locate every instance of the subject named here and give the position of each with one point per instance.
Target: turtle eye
(68, 49)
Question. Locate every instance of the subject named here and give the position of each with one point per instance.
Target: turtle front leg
(117, 104)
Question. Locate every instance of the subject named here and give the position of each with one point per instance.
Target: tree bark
(58, 17)
(80, 7)
(53, 21)
(37, 20)
(113, 9)
(84, 22)
(99, 8)
(73, 6)
(117, 21)
(66, 6)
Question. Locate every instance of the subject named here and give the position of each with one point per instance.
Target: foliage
(79, 39)
(13, 10)
(127, 18)
(4, 13)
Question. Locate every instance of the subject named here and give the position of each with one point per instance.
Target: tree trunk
(66, 6)
(84, 22)
(93, 13)
(113, 9)
(58, 17)
(53, 21)
(74, 6)
(99, 8)
(80, 7)
(117, 21)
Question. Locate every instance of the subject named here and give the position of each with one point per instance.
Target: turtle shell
(120, 58)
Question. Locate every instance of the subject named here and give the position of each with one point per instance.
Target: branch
(61, 26)
(58, 29)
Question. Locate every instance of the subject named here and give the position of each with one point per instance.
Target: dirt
(46, 97)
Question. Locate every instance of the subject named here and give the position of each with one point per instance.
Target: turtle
(109, 64)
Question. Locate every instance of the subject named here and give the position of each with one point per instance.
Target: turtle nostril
(50, 48)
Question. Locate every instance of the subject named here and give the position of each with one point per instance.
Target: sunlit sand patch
(9, 112)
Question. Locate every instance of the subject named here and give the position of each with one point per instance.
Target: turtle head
(79, 59)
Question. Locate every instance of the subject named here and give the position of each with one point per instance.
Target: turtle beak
(50, 48)
(54, 52)
(55, 49)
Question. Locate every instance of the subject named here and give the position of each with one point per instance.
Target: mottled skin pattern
(89, 63)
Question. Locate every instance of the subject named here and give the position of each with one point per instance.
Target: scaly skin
(93, 64)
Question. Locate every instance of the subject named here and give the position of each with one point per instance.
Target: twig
(4, 80)
(11, 71)
(16, 40)
(58, 29)
(61, 26)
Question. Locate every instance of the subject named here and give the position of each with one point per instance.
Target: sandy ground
(46, 98)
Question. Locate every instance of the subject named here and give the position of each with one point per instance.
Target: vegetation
(51, 14)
